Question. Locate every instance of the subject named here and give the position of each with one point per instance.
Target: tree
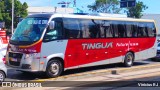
(20, 11)
(105, 6)
(136, 11)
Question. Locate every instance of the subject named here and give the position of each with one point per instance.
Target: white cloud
(41, 2)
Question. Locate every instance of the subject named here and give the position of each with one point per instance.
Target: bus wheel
(128, 60)
(54, 68)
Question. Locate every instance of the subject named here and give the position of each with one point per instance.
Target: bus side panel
(51, 50)
(81, 52)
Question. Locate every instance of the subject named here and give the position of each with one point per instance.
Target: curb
(100, 72)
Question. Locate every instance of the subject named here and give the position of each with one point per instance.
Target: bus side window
(122, 29)
(114, 28)
(85, 30)
(129, 29)
(96, 30)
(56, 33)
(84, 23)
(142, 32)
(102, 31)
(107, 29)
(134, 29)
(151, 29)
(72, 28)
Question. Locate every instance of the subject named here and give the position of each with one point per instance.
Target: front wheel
(54, 68)
(128, 60)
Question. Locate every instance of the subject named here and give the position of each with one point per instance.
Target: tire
(54, 68)
(128, 60)
(2, 76)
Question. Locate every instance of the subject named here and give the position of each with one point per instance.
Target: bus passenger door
(53, 44)
(73, 34)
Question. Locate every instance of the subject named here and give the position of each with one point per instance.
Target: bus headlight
(27, 56)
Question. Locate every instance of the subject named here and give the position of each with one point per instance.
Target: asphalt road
(148, 83)
(14, 75)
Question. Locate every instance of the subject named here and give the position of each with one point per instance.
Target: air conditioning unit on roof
(112, 15)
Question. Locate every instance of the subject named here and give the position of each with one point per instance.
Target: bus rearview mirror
(51, 25)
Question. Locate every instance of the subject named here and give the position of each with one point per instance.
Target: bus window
(108, 29)
(122, 29)
(84, 24)
(72, 28)
(102, 29)
(151, 29)
(95, 29)
(114, 28)
(134, 29)
(142, 30)
(85, 30)
(90, 28)
(129, 29)
(56, 33)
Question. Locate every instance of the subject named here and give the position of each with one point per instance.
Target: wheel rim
(1, 77)
(129, 59)
(54, 68)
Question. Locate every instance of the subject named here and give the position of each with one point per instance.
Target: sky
(153, 5)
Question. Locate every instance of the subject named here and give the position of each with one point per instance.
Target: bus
(53, 43)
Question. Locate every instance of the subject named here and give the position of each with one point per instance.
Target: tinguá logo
(88, 46)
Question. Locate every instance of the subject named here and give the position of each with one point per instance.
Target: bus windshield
(29, 30)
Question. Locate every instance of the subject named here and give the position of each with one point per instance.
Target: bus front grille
(15, 58)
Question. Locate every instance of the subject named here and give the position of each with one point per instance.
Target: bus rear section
(75, 41)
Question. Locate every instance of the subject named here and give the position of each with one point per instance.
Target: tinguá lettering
(88, 46)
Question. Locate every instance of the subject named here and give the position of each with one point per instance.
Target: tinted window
(134, 31)
(102, 29)
(142, 30)
(56, 33)
(122, 32)
(95, 28)
(129, 26)
(72, 28)
(114, 28)
(106, 25)
(91, 28)
(85, 27)
(151, 29)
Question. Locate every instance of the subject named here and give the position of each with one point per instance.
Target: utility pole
(74, 3)
(12, 16)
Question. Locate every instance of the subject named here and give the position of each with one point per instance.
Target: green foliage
(105, 6)
(20, 11)
(136, 12)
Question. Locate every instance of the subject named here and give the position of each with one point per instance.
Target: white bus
(53, 43)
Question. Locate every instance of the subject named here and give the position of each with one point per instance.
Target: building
(34, 10)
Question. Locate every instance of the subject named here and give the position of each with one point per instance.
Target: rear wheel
(54, 68)
(128, 60)
(2, 76)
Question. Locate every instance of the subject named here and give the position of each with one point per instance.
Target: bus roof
(46, 15)
(87, 16)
